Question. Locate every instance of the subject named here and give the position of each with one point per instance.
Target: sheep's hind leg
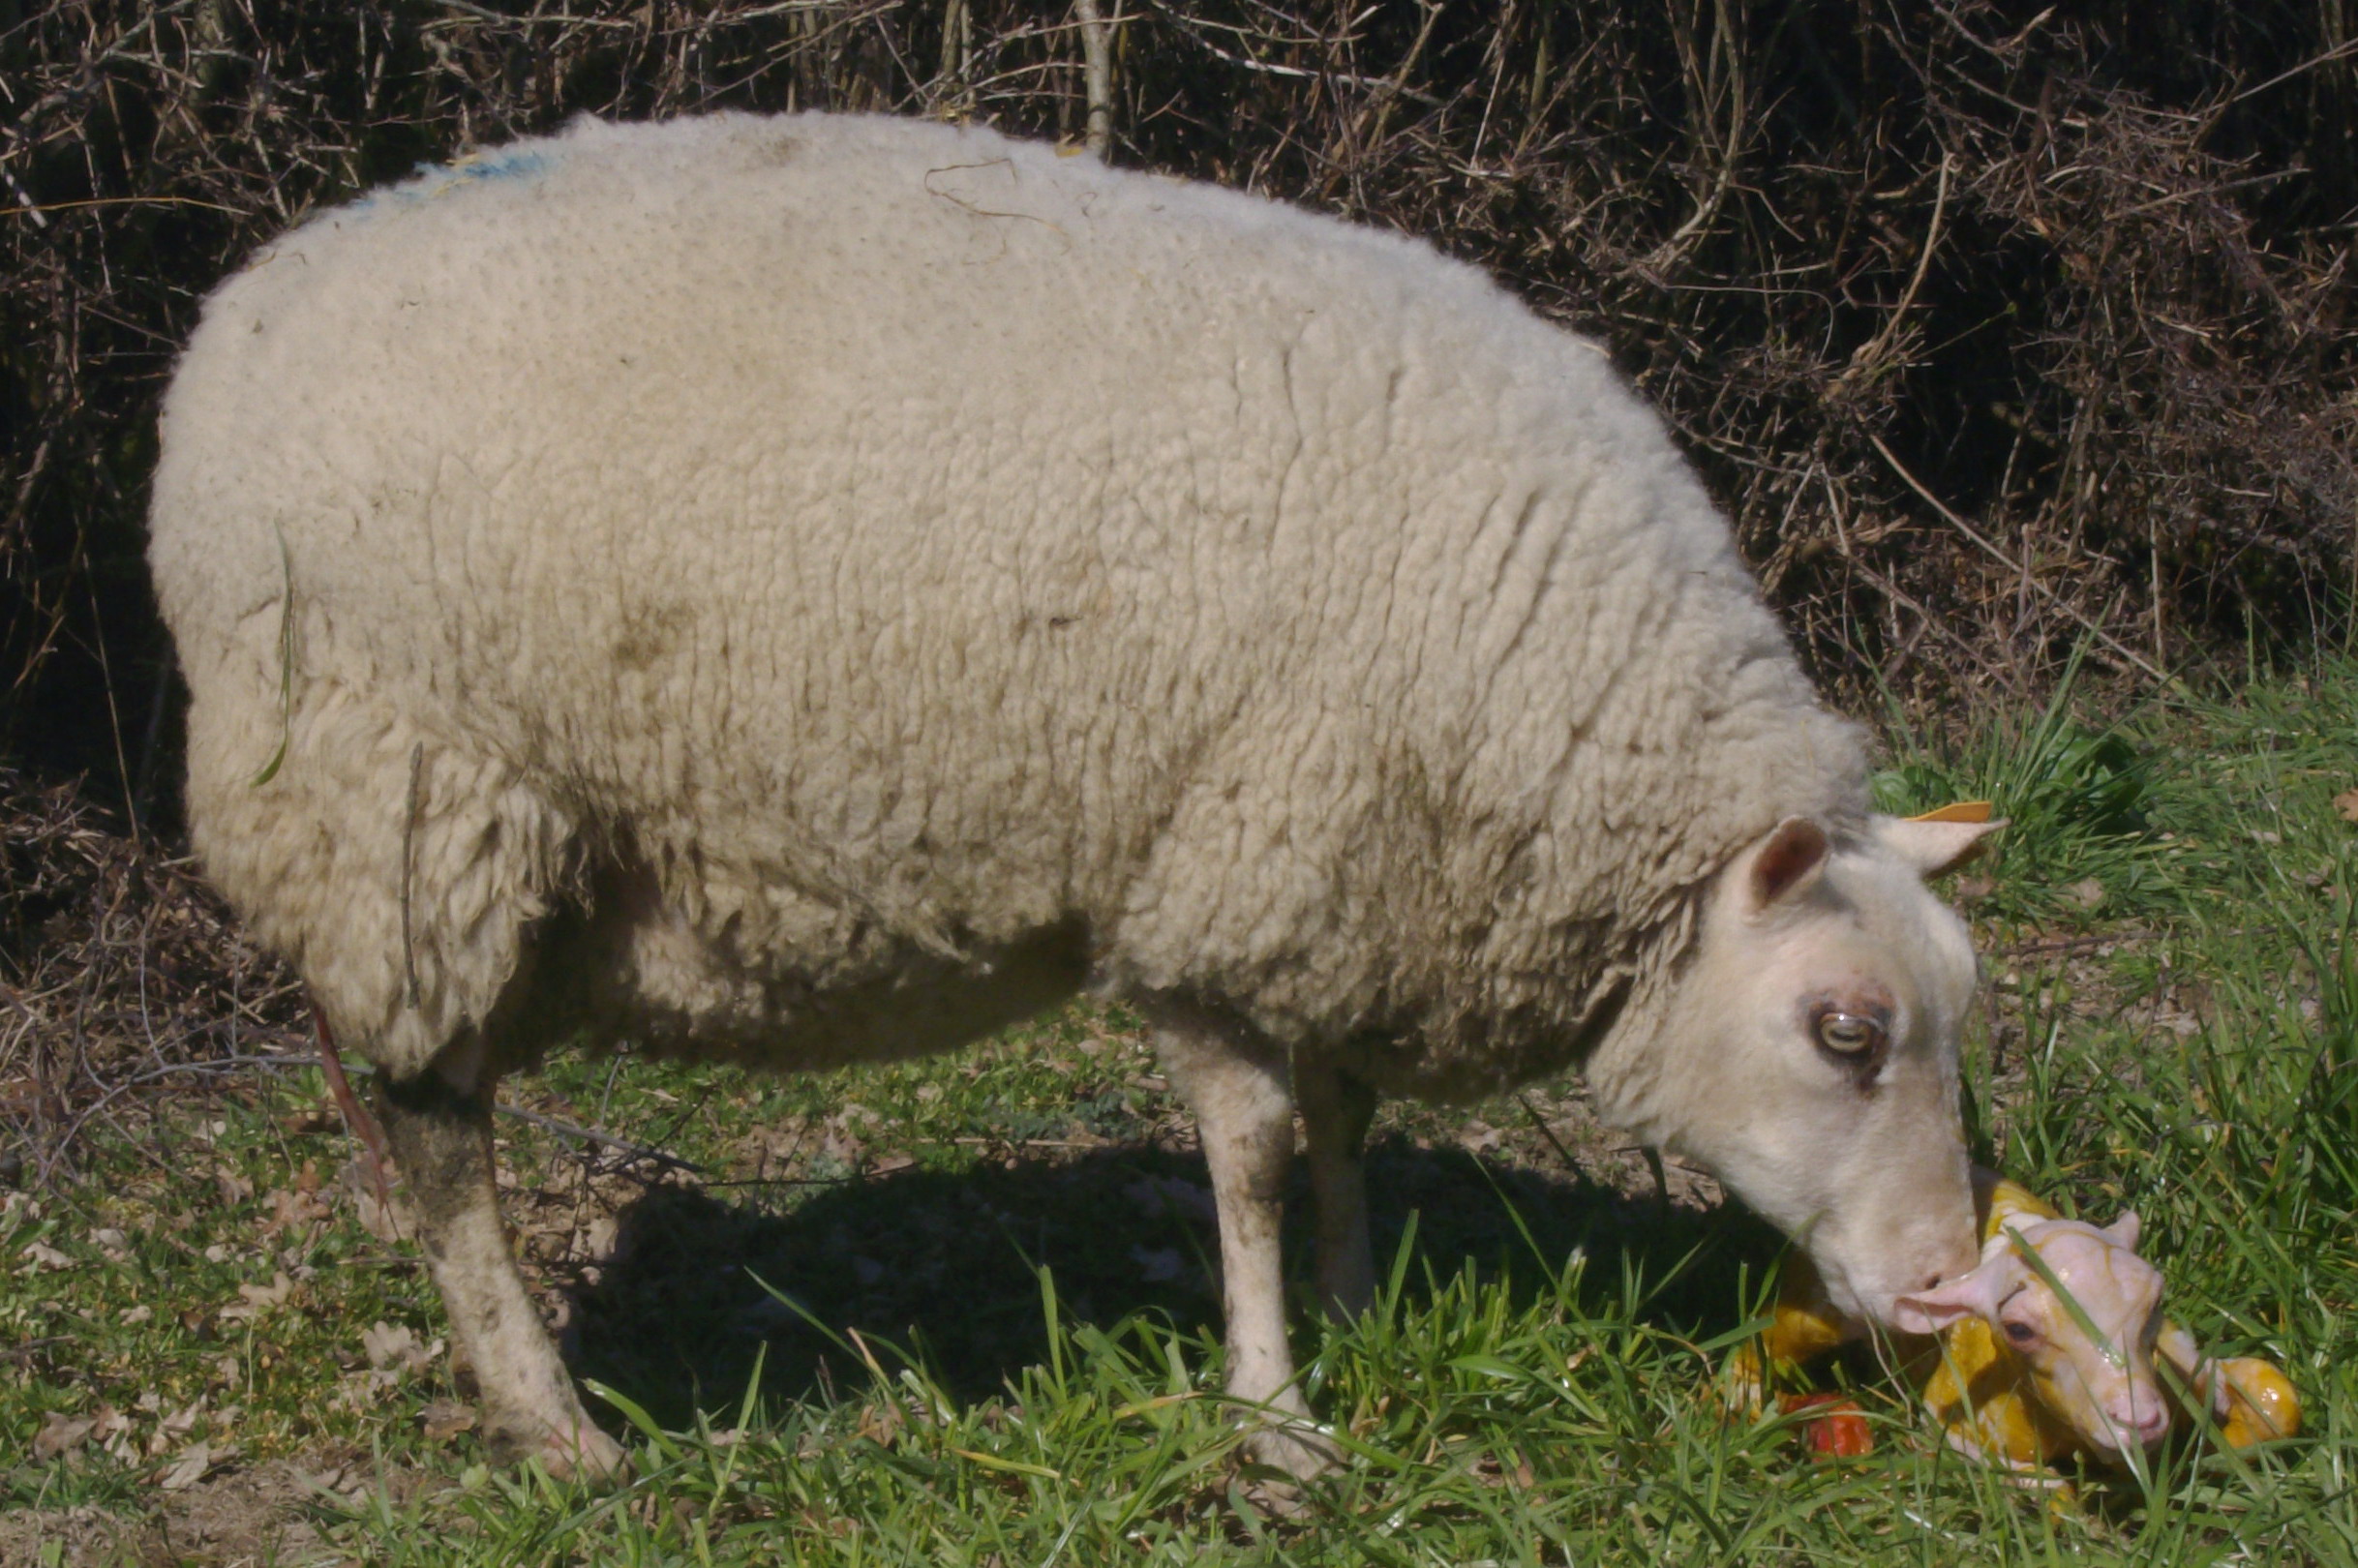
(442, 1137)
(1335, 1110)
(1244, 1111)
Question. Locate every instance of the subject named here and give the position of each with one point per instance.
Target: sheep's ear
(1975, 1293)
(1941, 840)
(2126, 1229)
(1789, 862)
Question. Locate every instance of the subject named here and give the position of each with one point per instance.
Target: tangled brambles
(118, 972)
(1998, 330)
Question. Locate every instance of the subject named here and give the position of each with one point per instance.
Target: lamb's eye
(2022, 1334)
(1847, 1034)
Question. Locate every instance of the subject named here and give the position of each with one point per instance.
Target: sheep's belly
(677, 991)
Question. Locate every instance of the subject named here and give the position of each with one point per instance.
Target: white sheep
(813, 590)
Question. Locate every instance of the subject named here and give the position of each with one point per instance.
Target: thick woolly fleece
(822, 587)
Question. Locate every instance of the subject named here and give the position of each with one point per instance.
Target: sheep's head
(1810, 1055)
(2081, 1312)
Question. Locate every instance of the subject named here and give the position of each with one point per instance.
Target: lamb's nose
(2144, 1421)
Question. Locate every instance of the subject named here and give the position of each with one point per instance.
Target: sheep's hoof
(577, 1451)
(585, 1454)
(1297, 1448)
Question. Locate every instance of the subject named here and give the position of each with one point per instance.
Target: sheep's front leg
(1335, 1110)
(1245, 1114)
(441, 1139)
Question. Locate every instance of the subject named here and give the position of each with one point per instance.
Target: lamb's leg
(1245, 1114)
(441, 1135)
(1335, 1110)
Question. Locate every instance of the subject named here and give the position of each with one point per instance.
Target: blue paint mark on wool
(501, 163)
(430, 180)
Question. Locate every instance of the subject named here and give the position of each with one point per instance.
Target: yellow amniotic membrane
(2024, 1408)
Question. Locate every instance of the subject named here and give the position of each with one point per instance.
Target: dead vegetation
(1995, 328)
(119, 975)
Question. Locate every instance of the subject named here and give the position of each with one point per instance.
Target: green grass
(992, 1340)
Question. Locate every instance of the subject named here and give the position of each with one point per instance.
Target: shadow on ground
(946, 1265)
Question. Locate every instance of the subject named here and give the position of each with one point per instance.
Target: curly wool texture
(846, 581)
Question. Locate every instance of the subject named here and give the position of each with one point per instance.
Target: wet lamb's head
(2082, 1313)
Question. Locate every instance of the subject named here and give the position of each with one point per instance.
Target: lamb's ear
(1789, 862)
(1939, 841)
(2126, 1229)
(1978, 1292)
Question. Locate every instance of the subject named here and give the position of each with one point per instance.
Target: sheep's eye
(2022, 1334)
(1847, 1034)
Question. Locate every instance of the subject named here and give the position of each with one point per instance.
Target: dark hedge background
(1998, 329)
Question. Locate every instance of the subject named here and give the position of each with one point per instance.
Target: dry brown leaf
(173, 1428)
(395, 1347)
(192, 1465)
(259, 1299)
(61, 1434)
(2346, 802)
(291, 1209)
(880, 1423)
(45, 1257)
(598, 1235)
(446, 1419)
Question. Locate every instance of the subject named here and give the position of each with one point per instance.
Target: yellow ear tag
(1956, 811)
